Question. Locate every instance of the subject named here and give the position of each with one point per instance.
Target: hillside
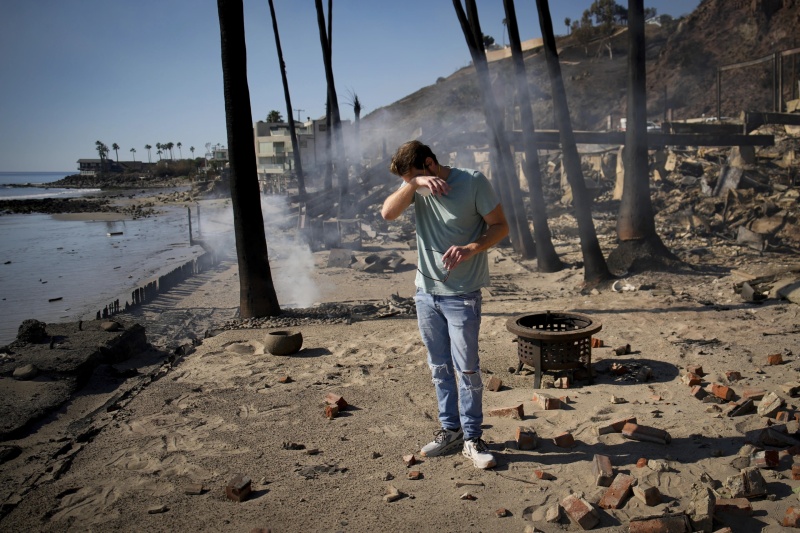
(682, 60)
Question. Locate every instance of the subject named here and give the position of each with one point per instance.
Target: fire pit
(554, 341)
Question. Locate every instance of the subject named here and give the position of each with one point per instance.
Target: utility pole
(298, 113)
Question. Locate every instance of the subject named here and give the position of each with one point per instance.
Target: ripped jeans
(449, 326)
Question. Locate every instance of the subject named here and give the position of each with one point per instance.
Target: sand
(128, 451)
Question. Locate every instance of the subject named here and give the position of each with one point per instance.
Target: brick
(733, 375)
(649, 494)
(409, 460)
(614, 427)
(285, 379)
(753, 394)
(337, 400)
(666, 524)
(770, 405)
(565, 440)
(597, 343)
(782, 416)
(546, 402)
(774, 359)
(617, 493)
(737, 506)
(239, 488)
(646, 433)
(792, 517)
(742, 407)
(526, 439)
(723, 392)
(641, 462)
(494, 384)
(796, 471)
(699, 392)
(194, 489)
(625, 349)
(331, 410)
(580, 512)
(414, 475)
(691, 379)
(544, 476)
(701, 515)
(502, 512)
(696, 369)
(561, 383)
(602, 472)
(516, 412)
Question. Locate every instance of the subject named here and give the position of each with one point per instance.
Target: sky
(73, 72)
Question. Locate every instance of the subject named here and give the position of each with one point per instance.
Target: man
(458, 218)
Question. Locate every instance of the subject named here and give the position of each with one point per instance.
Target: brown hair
(411, 154)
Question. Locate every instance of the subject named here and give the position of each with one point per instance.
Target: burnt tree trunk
(257, 297)
(546, 256)
(595, 268)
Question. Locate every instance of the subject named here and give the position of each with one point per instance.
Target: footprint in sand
(88, 504)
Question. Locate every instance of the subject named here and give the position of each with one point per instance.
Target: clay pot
(283, 342)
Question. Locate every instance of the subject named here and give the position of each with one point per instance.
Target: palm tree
(169, 146)
(257, 297)
(148, 147)
(336, 123)
(505, 28)
(159, 154)
(568, 23)
(636, 227)
(502, 159)
(133, 151)
(179, 148)
(115, 147)
(191, 149)
(298, 164)
(595, 268)
(546, 256)
(102, 150)
(158, 147)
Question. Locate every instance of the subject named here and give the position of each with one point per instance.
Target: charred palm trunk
(325, 40)
(507, 184)
(595, 268)
(298, 164)
(546, 256)
(257, 296)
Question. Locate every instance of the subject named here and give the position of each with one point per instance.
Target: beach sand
(128, 453)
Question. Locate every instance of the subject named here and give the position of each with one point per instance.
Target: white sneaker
(478, 451)
(446, 440)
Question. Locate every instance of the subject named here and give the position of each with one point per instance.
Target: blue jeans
(449, 326)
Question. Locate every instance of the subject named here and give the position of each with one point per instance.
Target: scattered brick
(468, 496)
(615, 427)
(331, 410)
(723, 392)
(565, 440)
(796, 471)
(409, 460)
(648, 494)
(641, 463)
(782, 416)
(561, 383)
(699, 392)
(625, 349)
(546, 402)
(392, 494)
(544, 476)
(494, 384)
(284, 379)
(792, 517)
(337, 400)
(702, 508)
(742, 407)
(602, 472)
(580, 512)
(646, 433)
(691, 379)
(753, 394)
(415, 475)
(617, 493)
(502, 512)
(597, 343)
(770, 405)
(194, 489)
(239, 488)
(696, 369)
(517, 412)
(553, 514)
(733, 375)
(765, 459)
(738, 506)
(791, 389)
(774, 359)
(526, 438)
(673, 524)
(565, 400)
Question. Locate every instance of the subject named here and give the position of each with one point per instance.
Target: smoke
(291, 261)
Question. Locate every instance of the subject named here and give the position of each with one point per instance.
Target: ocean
(65, 270)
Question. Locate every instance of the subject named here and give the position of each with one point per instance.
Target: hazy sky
(133, 73)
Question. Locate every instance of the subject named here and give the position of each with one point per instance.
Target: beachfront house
(90, 167)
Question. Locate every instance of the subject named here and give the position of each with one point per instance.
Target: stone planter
(283, 342)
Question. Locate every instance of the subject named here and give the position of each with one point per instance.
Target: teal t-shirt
(453, 219)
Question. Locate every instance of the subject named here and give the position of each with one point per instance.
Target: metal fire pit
(554, 341)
